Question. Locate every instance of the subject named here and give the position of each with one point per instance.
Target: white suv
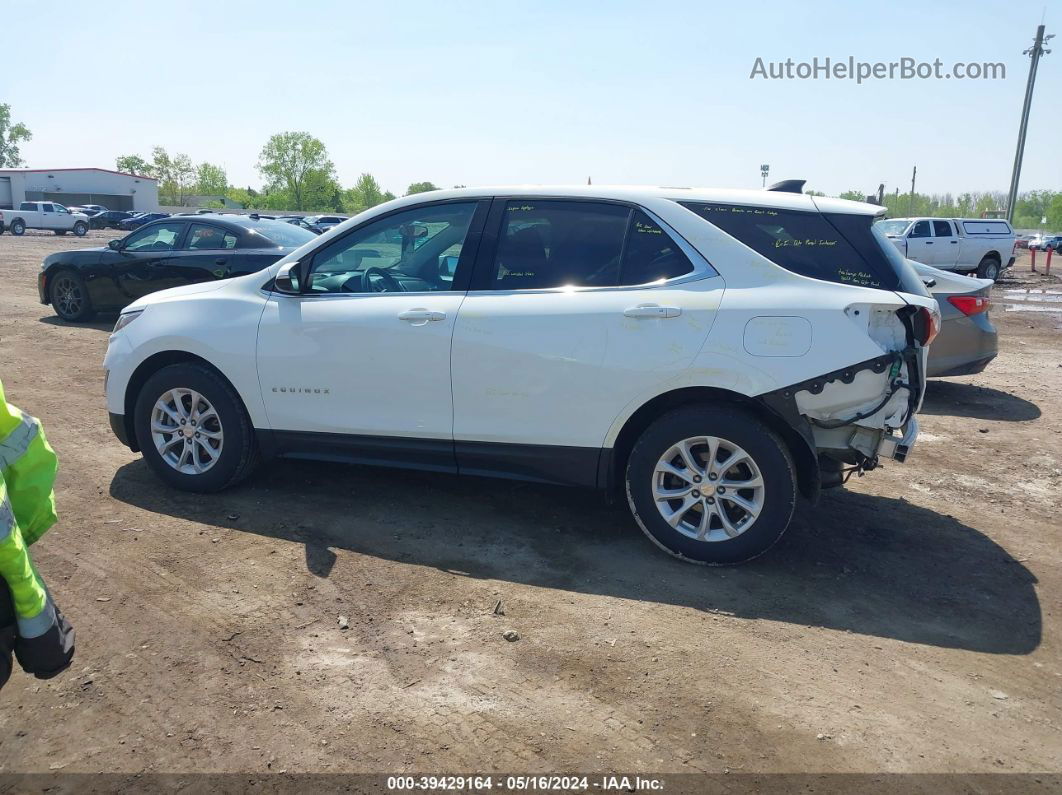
(709, 352)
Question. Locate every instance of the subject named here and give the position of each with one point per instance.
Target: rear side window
(836, 248)
(942, 229)
(551, 243)
(650, 253)
(210, 237)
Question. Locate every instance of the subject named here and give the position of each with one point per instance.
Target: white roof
(636, 193)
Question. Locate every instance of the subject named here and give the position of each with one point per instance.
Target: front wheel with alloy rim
(69, 296)
(711, 484)
(193, 429)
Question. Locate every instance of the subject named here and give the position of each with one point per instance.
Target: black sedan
(139, 220)
(166, 253)
(108, 219)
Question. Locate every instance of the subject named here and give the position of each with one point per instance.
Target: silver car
(967, 341)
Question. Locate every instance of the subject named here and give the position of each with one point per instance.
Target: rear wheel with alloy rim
(711, 484)
(69, 296)
(193, 429)
(988, 268)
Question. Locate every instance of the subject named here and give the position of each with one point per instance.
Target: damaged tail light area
(925, 325)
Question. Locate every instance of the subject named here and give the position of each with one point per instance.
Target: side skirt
(565, 466)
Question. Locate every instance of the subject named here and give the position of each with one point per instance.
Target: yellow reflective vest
(27, 509)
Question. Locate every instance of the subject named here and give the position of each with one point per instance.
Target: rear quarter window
(801, 242)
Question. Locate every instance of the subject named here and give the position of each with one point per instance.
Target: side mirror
(114, 245)
(287, 279)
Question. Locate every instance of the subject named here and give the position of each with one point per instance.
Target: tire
(69, 297)
(733, 535)
(80, 229)
(18, 227)
(237, 451)
(988, 268)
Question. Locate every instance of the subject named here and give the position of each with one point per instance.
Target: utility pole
(910, 204)
(1034, 53)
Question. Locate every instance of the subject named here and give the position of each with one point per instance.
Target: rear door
(576, 309)
(920, 243)
(945, 245)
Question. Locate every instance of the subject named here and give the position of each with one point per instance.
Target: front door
(145, 262)
(580, 310)
(358, 364)
(920, 244)
(945, 245)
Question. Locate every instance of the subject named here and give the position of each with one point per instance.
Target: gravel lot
(909, 623)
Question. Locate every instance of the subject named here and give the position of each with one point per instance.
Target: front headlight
(125, 319)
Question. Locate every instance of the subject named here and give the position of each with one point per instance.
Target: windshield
(893, 228)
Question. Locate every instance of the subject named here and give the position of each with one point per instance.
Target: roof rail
(789, 186)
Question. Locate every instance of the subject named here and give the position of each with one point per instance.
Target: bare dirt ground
(909, 623)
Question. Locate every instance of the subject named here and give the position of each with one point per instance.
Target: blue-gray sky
(544, 92)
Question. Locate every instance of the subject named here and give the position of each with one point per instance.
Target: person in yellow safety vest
(30, 623)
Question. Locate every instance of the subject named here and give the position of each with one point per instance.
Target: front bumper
(899, 447)
(120, 429)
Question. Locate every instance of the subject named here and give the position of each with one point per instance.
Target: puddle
(1033, 299)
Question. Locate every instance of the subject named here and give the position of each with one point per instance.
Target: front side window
(161, 237)
(808, 243)
(921, 229)
(410, 251)
(202, 236)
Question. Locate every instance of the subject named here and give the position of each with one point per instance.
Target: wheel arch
(804, 457)
(148, 368)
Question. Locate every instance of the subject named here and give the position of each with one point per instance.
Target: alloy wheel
(186, 431)
(69, 296)
(708, 488)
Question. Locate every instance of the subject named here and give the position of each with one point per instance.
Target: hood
(176, 293)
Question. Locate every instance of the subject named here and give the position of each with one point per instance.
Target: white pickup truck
(964, 245)
(43, 215)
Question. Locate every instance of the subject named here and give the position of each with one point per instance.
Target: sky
(487, 93)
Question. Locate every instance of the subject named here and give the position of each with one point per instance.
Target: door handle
(652, 310)
(418, 317)
(955, 242)
(929, 242)
(220, 261)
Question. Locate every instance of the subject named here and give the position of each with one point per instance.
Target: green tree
(211, 180)
(366, 193)
(854, 195)
(134, 164)
(176, 175)
(10, 135)
(1054, 213)
(289, 159)
(245, 197)
(421, 187)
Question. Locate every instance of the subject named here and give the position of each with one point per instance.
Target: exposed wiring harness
(829, 424)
